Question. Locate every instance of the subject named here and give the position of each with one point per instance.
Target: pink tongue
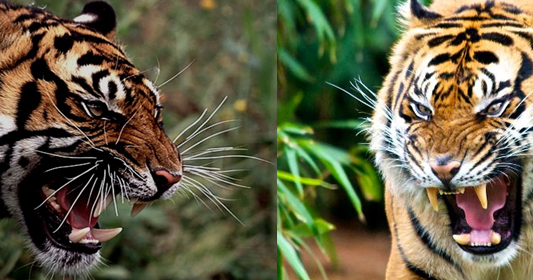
(80, 216)
(479, 219)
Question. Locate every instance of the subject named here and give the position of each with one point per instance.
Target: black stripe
(425, 238)
(413, 268)
(439, 40)
(63, 43)
(498, 38)
(29, 100)
(441, 58)
(502, 24)
(485, 57)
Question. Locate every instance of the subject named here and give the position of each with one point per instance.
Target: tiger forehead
(95, 67)
(467, 66)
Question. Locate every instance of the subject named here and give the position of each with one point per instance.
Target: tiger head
(80, 129)
(452, 126)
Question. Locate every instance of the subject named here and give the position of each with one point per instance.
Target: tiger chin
(80, 129)
(452, 135)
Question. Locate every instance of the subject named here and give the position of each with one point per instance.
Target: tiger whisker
(72, 123)
(207, 120)
(190, 126)
(203, 130)
(66, 166)
(64, 185)
(63, 156)
(176, 75)
(213, 198)
(209, 137)
(124, 126)
(72, 206)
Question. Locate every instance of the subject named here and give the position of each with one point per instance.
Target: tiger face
(80, 129)
(452, 128)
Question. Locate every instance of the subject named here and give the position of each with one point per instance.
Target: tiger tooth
(76, 235)
(481, 192)
(462, 239)
(104, 235)
(133, 200)
(432, 195)
(495, 238)
(47, 191)
(102, 205)
(461, 190)
(137, 208)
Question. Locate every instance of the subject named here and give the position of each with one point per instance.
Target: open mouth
(67, 216)
(484, 218)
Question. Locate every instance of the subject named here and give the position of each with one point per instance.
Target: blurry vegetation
(319, 147)
(232, 46)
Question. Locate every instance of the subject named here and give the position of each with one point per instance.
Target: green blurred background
(322, 143)
(232, 46)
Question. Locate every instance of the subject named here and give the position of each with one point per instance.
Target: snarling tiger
(452, 135)
(79, 126)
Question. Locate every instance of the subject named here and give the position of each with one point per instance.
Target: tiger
(80, 126)
(451, 131)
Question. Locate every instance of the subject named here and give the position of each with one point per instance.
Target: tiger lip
(89, 235)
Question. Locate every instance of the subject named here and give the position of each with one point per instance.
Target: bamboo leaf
(288, 252)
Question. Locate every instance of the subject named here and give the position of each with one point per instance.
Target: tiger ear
(100, 16)
(419, 13)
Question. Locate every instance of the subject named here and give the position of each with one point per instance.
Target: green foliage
(322, 42)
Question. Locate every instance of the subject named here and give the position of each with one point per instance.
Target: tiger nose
(445, 168)
(164, 179)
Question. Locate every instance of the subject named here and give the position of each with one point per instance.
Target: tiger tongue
(479, 219)
(80, 216)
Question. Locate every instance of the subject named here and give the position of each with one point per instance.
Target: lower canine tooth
(495, 238)
(432, 195)
(463, 239)
(481, 192)
(78, 234)
(104, 235)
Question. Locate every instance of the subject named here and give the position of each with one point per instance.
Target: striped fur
(72, 105)
(460, 84)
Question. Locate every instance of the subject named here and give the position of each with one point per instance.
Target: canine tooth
(104, 235)
(137, 208)
(101, 205)
(495, 238)
(463, 239)
(432, 195)
(47, 191)
(461, 190)
(78, 234)
(481, 192)
(55, 206)
(133, 200)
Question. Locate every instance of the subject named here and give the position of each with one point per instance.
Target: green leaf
(303, 180)
(342, 124)
(294, 66)
(288, 252)
(294, 169)
(332, 163)
(322, 225)
(295, 128)
(298, 208)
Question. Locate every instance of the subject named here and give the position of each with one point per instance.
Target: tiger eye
(494, 108)
(424, 110)
(96, 111)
